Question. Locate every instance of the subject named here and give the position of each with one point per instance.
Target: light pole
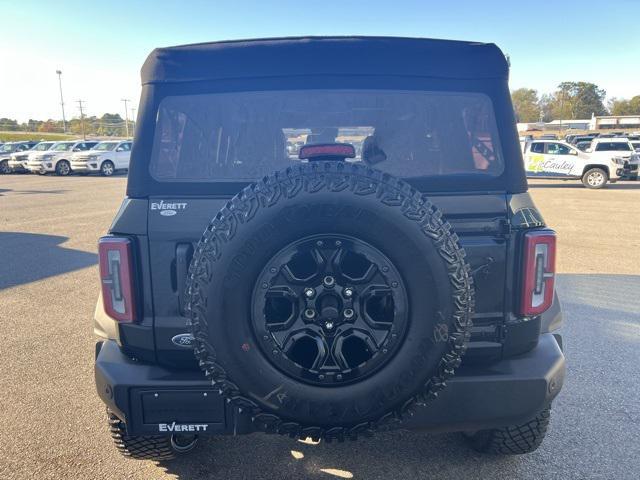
(64, 121)
(126, 116)
(133, 120)
(84, 136)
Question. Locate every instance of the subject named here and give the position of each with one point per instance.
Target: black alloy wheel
(329, 309)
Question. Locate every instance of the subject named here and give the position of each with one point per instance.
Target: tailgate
(176, 224)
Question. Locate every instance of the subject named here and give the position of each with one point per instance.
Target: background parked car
(581, 138)
(58, 158)
(556, 159)
(582, 146)
(105, 157)
(619, 150)
(18, 160)
(11, 147)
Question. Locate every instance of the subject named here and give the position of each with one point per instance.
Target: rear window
(243, 136)
(612, 146)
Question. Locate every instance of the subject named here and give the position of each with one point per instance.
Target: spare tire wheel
(328, 299)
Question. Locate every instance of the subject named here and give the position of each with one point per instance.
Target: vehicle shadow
(37, 192)
(399, 454)
(28, 257)
(119, 173)
(578, 184)
(12, 191)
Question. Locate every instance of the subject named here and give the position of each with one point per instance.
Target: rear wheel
(512, 440)
(4, 167)
(107, 168)
(63, 168)
(148, 447)
(595, 178)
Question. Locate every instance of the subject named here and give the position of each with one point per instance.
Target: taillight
(116, 276)
(539, 270)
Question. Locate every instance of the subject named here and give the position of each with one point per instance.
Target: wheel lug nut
(329, 281)
(348, 312)
(309, 292)
(309, 313)
(348, 292)
(329, 325)
(339, 377)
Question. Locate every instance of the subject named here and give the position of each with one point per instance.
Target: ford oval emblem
(168, 213)
(184, 340)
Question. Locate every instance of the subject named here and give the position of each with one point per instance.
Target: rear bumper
(152, 399)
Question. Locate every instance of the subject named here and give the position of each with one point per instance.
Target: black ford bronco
(325, 238)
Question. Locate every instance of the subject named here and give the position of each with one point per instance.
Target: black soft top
(323, 63)
(324, 56)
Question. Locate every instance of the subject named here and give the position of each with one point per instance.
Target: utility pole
(84, 136)
(126, 115)
(64, 121)
(133, 120)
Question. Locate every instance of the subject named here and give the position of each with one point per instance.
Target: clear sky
(100, 46)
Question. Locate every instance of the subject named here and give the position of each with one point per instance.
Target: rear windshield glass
(612, 146)
(243, 136)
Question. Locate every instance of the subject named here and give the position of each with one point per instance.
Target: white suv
(58, 158)
(105, 157)
(559, 160)
(18, 160)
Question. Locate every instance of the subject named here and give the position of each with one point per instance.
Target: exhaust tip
(183, 443)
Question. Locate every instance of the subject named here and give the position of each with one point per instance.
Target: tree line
(570, 101)
(108, 125)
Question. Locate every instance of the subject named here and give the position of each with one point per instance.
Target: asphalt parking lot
(52, 424)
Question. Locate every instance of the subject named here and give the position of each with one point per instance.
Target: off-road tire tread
(314, 177)
(513, 440)
(149, 447)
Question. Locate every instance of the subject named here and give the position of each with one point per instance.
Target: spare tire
(329, 299)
